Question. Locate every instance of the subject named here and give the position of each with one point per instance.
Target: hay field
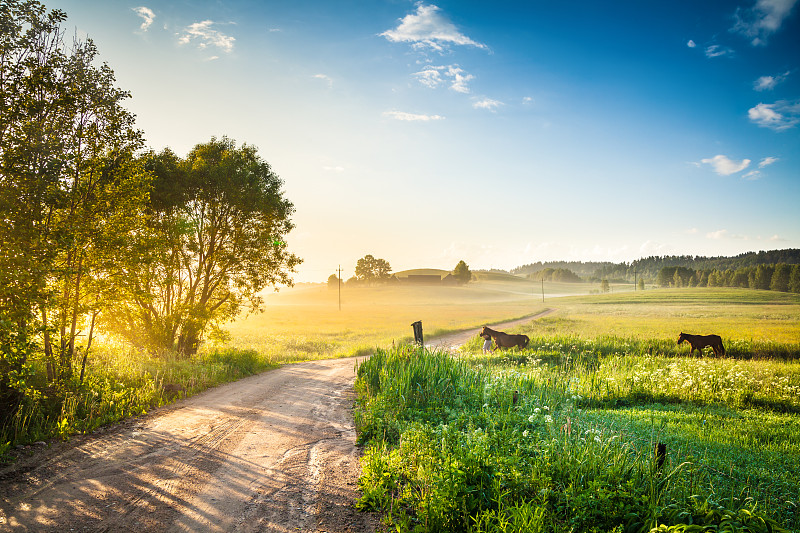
(305, 322)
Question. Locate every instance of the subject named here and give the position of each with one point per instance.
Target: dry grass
(305, 322)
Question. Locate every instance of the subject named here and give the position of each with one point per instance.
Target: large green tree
(370, 269)
(462, 273)
(70, 190)
(218, 221)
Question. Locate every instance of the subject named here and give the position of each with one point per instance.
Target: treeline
(99, 234)
(555, 274)
(779, 277)
(584, 270)
(649, 268)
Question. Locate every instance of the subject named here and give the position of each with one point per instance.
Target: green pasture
(557, 438)
(736, 314)
(602, 381)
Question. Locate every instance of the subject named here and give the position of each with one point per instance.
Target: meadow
(561, 436)
(601, 383)
(306, 322)
(300, 323)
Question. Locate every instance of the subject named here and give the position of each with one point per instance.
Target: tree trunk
(88, 344)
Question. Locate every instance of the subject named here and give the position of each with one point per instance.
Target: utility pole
(340, 286)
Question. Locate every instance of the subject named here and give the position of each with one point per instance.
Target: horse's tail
(722, 348)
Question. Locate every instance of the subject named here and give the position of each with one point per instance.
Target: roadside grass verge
(119, 384)
(472, 443)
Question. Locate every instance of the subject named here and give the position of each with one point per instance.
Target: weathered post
(661, 455)
(417, 332)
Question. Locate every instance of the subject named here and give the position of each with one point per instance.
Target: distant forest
(650, 268)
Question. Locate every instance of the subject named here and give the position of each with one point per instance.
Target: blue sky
(501, 133)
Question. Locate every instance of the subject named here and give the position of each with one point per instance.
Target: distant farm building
(426, 277)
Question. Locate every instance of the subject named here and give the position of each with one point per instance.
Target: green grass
(742, 314)
(449, 450)
(120, 384)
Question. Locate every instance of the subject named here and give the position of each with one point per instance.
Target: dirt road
(273, 452)
(455, 340)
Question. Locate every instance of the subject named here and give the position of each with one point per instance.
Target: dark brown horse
(698, 342)
(505, 340)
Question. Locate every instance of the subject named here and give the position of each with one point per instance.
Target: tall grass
(490, 444)
(120, 383)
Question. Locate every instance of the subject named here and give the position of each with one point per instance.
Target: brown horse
(505, 340)
(698, 342)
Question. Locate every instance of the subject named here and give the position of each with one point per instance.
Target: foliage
(120, 384)
(459, 446)
(701, 514)
(218, 219)
(555, 274)
(778, 277)
(371, 270)
(649, 267)
(70, 194)
(462, 273)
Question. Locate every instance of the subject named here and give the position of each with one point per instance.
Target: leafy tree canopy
(462, 272)
(218, 220)
(371, 270)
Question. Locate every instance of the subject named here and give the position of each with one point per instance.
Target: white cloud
(435, 76)
(762, 20)
(147, 15)
(767, 83)
(716, 50)
(753, 175)
(691, 231)
(691, 44)
(779, 116)
(724, 234)
(757, 174)
(205, 35)
(411, 117)
(724, 166)
(430, 77)
(487, 103)
(527, 100)
(460, 79)
(776, 238)
(429, 28)
(326, 79)
(337, 169)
